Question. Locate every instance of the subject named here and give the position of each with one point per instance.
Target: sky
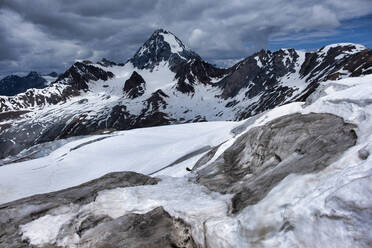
(50, 35)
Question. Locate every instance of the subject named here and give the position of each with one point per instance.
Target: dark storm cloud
(47, 35)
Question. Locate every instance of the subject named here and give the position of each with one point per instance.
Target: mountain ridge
(176, 86)
(13, 84)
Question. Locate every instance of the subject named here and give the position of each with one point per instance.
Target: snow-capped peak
(347, 47)
(161, 46)
(175, 44)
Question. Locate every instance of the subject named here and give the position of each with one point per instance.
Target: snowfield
(330, 208)
(144, 150)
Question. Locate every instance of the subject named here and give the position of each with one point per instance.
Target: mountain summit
(162, 46)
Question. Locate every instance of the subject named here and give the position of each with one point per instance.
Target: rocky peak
(135, 86)
(79, 74)
(162, 46)
(13, 84)
(33, 74)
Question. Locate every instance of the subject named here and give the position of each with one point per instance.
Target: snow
(180, 198)
(142, 150)
(177, 196)
(45, 229)
(259, 63)
(173, 43)
(161, 77)
(294, 80)
(357, 47)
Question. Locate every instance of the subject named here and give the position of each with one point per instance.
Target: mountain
(13, 84)
(167, 83)
(162, 46)
(298, 175)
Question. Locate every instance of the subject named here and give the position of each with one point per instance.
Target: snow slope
(143, 150)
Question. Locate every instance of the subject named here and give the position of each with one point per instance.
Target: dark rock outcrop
(20, 212)
(135, 86)
(262, 74)
(263, 156)
(155, 229)
(194, 71)
(81, 73)
(13, 85)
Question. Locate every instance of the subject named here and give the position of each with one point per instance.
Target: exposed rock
(157, 49)
(250, 71)
(194, 71)
(135, 86)
(23, 211)
(80, 74)
(259, 159)
(155, 229)
(363, 153)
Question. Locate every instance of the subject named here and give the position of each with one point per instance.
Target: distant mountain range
(167, 83)
(14, 84)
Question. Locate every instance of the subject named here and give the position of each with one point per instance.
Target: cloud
(47, 35)
(196, 37)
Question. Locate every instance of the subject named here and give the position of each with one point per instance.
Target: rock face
(153, 229)
(135, 86)
(259, 159)
(79, 75)
(194, 72)
(13, 85)
(275, 77)
(161, 46)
